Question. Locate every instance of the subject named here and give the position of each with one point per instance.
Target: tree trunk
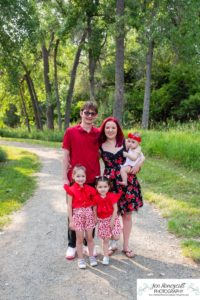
(147, 94)
(92, 67)
(49, 106)
(72, 81)
(24, 109)
(37, 103)
(34, 102)
(119, 65)
(92, 63)
(34, 98)
(56, 85)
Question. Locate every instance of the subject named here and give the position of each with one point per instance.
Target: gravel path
(32, 248)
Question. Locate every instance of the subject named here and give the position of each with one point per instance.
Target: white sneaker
(105, 261)
(81, 264)
(70, 253)
(86, 251)
(93, 261)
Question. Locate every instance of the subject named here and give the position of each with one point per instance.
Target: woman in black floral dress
(112, 145)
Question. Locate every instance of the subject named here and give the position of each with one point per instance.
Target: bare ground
(32, 248)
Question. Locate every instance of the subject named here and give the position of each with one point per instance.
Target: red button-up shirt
(82, 196)
(105, 205)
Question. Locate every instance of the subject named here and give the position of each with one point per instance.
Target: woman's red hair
(119, 136)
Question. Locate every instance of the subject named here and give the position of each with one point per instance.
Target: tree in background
(56, 54)
(119, 65)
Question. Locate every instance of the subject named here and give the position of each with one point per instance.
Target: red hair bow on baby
(134, 137)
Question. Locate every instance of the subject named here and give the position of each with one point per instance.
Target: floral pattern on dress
(131, 199)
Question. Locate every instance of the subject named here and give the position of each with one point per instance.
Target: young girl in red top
(106, 211)
(80, 213)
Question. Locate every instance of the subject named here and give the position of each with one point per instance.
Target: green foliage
(189, 108)
(174, 27)
(3, 155)
(11, 119)
(175, 95)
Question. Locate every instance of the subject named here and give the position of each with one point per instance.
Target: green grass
(176, 193)
(191, 249)
(16, 180)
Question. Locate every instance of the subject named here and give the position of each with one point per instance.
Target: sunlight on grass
(191, 249)
(8, 207)
(16, 180)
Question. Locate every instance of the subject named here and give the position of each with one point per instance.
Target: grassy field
(16, 180)
(175, 191)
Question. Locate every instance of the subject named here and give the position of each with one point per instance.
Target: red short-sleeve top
(105, 205)
(82, 196)
(84, 150)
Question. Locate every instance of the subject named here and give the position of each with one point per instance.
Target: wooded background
(139, 60)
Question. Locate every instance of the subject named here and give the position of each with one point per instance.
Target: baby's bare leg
(124, 174)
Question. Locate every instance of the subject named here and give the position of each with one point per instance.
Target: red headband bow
(134, 137)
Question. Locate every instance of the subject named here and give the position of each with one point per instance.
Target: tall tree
(119, 66)
(147, 93)
(56, 84)
(21, 90)
(72, 80)
(48, 88)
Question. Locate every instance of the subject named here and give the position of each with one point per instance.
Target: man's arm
(66, 165)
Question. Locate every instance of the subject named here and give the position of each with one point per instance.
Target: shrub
(3, 155)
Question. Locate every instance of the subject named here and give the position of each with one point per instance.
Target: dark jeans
(72, 235)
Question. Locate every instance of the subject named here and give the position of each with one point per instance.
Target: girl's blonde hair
(77, 168)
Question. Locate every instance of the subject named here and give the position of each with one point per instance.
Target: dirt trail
(32, 248)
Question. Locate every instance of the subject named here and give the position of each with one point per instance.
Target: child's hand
(134, 170)
(95, 220)
(112, 222)
(71, 225)
(125, 153)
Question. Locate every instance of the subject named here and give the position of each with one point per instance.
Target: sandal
(113, 247)
(129, 253)
(111, 252)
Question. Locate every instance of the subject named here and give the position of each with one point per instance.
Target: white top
(136, 152)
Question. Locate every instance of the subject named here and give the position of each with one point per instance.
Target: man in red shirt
(80, 146)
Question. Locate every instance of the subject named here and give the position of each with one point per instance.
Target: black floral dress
(131, 199)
